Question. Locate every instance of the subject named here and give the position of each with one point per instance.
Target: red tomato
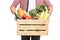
(24, 16)
(29, 18)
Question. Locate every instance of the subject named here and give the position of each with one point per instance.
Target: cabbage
(33, 13)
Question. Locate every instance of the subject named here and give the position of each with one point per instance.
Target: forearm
(49, 6)
(50, 9)
(13, 9)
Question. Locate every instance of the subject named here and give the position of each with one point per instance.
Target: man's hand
(50, 10)
(13, 9)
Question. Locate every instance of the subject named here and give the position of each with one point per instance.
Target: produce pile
(40, 12)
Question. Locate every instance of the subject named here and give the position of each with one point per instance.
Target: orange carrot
(20, 12)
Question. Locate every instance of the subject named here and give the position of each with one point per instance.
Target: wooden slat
(33, 32)
(31, 27)
(32, 21)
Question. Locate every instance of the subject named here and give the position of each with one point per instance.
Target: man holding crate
(28, 5)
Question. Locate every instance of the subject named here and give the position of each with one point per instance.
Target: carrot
(20, 12)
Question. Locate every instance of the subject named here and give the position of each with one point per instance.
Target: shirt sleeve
(47, 3)
(15, 3)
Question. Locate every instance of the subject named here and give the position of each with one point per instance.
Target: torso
(32, 3)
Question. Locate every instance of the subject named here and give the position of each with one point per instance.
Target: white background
(8, 27)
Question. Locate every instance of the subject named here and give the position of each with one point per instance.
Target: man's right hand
(13, 9)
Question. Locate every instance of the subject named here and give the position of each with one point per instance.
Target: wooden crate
(32, 27)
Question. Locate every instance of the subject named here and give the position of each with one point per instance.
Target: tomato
(29, 18)
(25, 16)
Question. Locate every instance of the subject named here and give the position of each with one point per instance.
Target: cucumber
(17, 17)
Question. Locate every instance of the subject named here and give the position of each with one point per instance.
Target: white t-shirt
(31, 5)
